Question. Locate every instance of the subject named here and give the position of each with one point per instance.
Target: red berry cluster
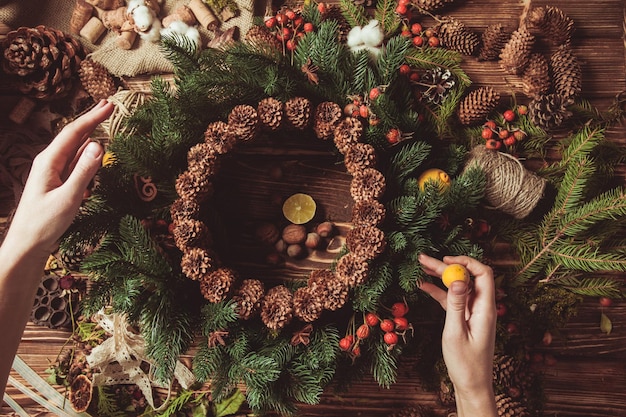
(421, 37)
(360, 107)
(504, 134)
(288, 26)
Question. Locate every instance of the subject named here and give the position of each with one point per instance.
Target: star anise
(217, 337)
(302, 336)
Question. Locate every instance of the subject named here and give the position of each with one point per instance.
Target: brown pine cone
(549, 111)
(536, 77)
(260, 37)
(348, 133)
(307, 305)
(359, 156)
(183, 209)
(44, 60)
(368, 184)
(220, 137)
(551, 23)
(215, 285)
(366, 242)
(192, 186)
(507, 407)
(202, 158)
(516, 53)
(493, 40)
(248, 298)
(368, 213)
(566, 72)
(96, 80)
(277, 307)
(243, 122)
(270, 113)
(477, 105)
(329, 288)
(298, 112)
(352, 270)
(327, 117)
(455, 36)
(431, 5)
(197, 262)
(189, 233)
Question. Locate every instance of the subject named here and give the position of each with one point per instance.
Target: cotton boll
(372, 34)
(153, 34)
(143, 17)
(181, 28)
(354, 37)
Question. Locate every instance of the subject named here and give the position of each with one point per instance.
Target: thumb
(456, 305)
(86, 167)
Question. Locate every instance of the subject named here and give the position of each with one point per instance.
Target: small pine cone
(551, 23)
(335, 13)
(277, 307)
(192, 186)
(270, 113)
(196, 263)
(566, 72)
(516, 53)
(243, 122)
(348, 133)
(298, 112)
(248, 298)
(536, 77)
(549, 111)
(307, 305)
(360, 156)
(368, 184)
(183, 209)
(507, 407)
(477, 105)
(508, 372)
(189, 233)
(431, 5)
(328, 288)
(455, 36)
(215, 285)
(493, 40)
(327, 117)
(352, 270)
(260, 37)
(366, 242)
(220, 137)
(96, 79)
(417, 411)
(202, 158)
(368, 213)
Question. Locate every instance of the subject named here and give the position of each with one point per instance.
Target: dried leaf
(605, 324)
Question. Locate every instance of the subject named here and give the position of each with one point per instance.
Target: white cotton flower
(354, 37)
(181, 28)
(372, 34)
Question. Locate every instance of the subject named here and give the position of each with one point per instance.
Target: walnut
(294, 234)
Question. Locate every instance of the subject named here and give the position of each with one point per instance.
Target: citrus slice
(299, 208)
(436, 176)
(454, 272)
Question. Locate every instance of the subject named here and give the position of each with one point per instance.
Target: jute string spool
(510, 187)
(126, 102)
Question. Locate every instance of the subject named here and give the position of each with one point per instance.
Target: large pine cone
(536, 77)
(507, 407)
(277, 307)
(298, 112)
(493, 40)
(44, 59)
(262, 38)
(566, 72)
(549, 111)
(551, 23)
(307, 305)
(455, 36)
(96, 80)
(477, 105)
(431, 5)
(516, 53)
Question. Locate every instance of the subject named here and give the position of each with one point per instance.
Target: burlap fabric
(144, 58)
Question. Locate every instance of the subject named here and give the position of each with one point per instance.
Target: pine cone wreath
(220, 137)
(327, 116)
(307, 305)
(360, 156)
(352, 270)
(248, 298)
(243, 122)
(197, 262)
(270, 112)
(566, 72)
(44, 60)
(215, 285)
(431, 5)
(516, 53)
(327, 286)
(277, 307)
(366, 242)
(507, 407)
(348, 133)
(551, 23)
(455, 36)
(193, 186)
(260, 37)
(298, 112)
(536, 79)
(549, 111)
(494, 38)
(189, 233)
(477, 105)
(183, 209)
(96, 80)
(368, 213)
(368, 184)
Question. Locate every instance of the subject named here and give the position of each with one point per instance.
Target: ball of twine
(126, 102)
(510, 187)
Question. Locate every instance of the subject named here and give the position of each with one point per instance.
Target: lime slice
(299, 208)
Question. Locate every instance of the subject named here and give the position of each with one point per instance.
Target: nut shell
(294, 234)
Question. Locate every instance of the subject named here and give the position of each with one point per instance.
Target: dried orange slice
(299, 208)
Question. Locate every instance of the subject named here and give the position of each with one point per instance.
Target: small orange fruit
(435, 175)
(454, 272)
(299, 208)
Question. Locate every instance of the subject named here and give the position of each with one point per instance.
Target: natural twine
(510, 187)
(126, 102)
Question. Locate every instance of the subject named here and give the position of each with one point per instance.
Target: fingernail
(93, 150)
(458, 287)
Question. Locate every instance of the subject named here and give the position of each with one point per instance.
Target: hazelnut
(295, 251)
(294, 234)
(280, 246)
(267, 233)
(312, 240)
(325, 229)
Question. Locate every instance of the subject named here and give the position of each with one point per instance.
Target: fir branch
(366, 296)
(311, 13)
(354, 14)
(384, 364)
(429, 58)
(592, 287)
(180, 51)
(218, 316)
(580, 144)
(607, 206)
(176, 404)
(387, 17)
(407, 159)
(577, 256)
(363, 76)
